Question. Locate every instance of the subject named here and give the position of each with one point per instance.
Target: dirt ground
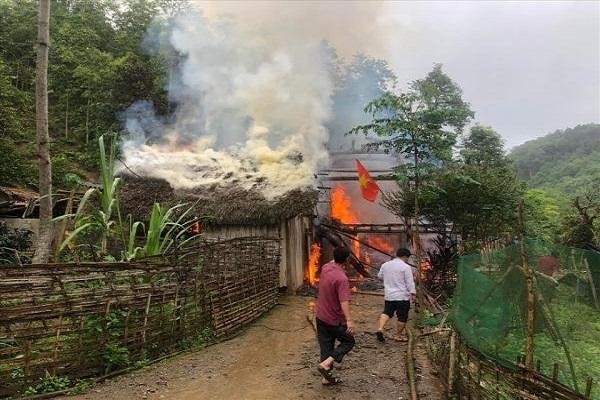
(276, 358)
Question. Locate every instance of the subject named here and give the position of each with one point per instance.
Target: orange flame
(313, 263)
(380, 243)
(341, 209)
(341, 206)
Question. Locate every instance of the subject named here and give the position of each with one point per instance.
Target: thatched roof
(223, 205)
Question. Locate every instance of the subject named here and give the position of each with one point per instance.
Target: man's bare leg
(327, 363)
(383, 319)
(400, 330)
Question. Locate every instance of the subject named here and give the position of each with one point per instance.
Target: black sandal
(328, 375)
(335, 382)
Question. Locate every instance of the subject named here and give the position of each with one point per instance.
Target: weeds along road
(275, 358)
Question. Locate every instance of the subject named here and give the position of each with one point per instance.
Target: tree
(580, 226)
(483, 146)
(43, 249)
(475, 195)
(422, 124)
(542, 215)
(357, 83)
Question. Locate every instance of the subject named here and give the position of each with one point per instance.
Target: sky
(528, 68)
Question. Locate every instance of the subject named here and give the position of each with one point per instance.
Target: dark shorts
(400, 307)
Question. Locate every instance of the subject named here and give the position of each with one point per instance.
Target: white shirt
(398, 280)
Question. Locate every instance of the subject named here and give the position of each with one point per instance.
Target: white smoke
(252, 95)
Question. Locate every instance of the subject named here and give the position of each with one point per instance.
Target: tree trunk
(417, 234)
(43, 249)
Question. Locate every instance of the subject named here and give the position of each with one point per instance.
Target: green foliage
(49, 384)
(563, 162)
(477, 195)
(483, 146)
(82, 386)
(97, 68)
(200, 341)
(13, 242)
(581, 225)
(421, 124)
(542, 215)
(101, 220)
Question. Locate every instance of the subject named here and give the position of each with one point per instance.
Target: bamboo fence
(87, 319)
(468, 374)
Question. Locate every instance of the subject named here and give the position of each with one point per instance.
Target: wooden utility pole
(43, 248)
(529, 343)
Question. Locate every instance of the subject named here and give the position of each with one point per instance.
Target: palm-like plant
(101, 219)
(163, 231)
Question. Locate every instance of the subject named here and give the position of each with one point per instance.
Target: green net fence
(490, 309)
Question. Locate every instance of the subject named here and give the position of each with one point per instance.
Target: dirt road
(275, 358)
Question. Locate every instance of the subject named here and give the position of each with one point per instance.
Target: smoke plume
(252, 92)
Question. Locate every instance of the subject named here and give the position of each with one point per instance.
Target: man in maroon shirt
(333, 315)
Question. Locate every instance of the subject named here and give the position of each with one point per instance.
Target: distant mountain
(562, 162)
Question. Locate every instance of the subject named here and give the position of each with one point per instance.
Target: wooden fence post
(452, 364)
(529, 343)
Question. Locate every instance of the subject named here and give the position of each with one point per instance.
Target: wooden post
(529, 343)
(146, 311)
(410, 365)
(555, 372)
(56, 343)
(592, 283)
(452, 363)
(588, 387)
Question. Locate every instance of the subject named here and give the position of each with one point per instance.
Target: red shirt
(334, 288)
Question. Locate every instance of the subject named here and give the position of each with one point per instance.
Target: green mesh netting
(490, 308)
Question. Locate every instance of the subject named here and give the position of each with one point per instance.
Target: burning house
(228, 212)
(347, 218)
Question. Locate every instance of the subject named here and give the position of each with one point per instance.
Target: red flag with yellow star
(368, 186)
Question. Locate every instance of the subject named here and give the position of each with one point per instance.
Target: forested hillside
(97, 68)
(564, 162)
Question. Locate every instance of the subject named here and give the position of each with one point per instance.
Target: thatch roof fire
(222, 205)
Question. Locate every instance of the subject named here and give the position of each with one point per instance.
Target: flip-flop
(328, 375)
(400, 339)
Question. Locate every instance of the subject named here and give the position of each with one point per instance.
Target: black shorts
(400, 307)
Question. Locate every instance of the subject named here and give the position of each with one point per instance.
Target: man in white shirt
(399, 288)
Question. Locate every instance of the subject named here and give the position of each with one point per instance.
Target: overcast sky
(527, 68)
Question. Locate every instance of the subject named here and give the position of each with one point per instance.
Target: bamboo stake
(529, 344)
(146, 311)
(56, 341)
(410, 365)
(592, 283)
(452, 363)
(588, 387)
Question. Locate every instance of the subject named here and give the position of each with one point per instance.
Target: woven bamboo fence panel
(478, 378)
(89, 319)
(241, 280)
